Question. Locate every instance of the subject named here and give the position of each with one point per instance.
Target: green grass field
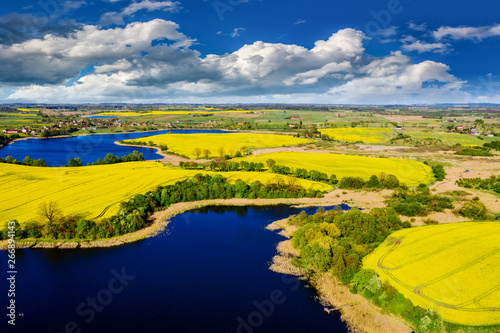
(450, 138)
(230, 142)
(96, 189)
(453, 269)
(362, 134)
(408, 171)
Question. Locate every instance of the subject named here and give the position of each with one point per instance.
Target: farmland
(95, 189)
(231, 142)
(173, 112)
(360, 134)
(450, 268)
(408, 171)
(450, 138)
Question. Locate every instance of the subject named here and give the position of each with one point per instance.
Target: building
(460, 128)
(10, 131)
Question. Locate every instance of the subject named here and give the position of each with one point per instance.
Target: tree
(381, 177)
(197, 152)
(206, 153)
(244, 150)
(270, 163)
(221, 152)
(125, 127)
(373, 182)
(111, 128)
(49, 212)
(391, 181)
(74, 162)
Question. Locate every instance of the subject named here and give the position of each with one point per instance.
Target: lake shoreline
(74, 136)
(159, 220)
(356, 312)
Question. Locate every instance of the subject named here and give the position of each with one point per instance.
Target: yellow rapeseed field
(231, 142)
(451, 268)
(408, 171)
(362, 134)
(174, 112)
(94, 189)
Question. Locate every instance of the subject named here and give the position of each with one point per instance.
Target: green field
(231, 142)
(408, 171)
(360, 134)
(453, 269)
(450, 138)
(15, 120)
(96, 190)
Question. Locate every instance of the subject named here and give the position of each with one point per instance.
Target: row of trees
(383, 180)
(53, 224)
(223, 165)
(108, 159)
(27, 161)
(492, 183)
(303, 173)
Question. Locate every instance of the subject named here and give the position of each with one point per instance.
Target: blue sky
(250, 51)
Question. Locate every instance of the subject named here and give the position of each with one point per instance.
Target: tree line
(51, 223)
(27, 161)
(108, 159)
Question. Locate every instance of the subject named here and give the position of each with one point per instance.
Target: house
(295, 118)
(9, 131)
(241, 123)
(460, 128)
(396, 127)
(25, 130)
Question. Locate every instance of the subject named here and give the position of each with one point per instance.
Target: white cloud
(300, 21)
(118, 17)
(54, 59)
(395, 80)
(464, 32)
(236, 32)
(72, 5)
(387, 32)
(422, 47)
(417, 27)
(130, 69)
(233, 34)
(120, 65)
(312, 76)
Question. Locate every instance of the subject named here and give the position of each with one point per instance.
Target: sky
(250, 51)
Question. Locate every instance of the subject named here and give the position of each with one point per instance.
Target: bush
(351, 183)
(474, 210)
(438, 171)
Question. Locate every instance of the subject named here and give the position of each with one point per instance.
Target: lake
(57, 151)
(207, 272)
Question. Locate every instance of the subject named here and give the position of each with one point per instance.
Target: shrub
(474, 210)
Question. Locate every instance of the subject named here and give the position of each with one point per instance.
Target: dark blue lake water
(57, 152)
(208, 272)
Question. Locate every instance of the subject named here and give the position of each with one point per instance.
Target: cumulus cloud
(54, 59)
(118, 17)
(464, 32)
(395, 78)
(129, 67)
